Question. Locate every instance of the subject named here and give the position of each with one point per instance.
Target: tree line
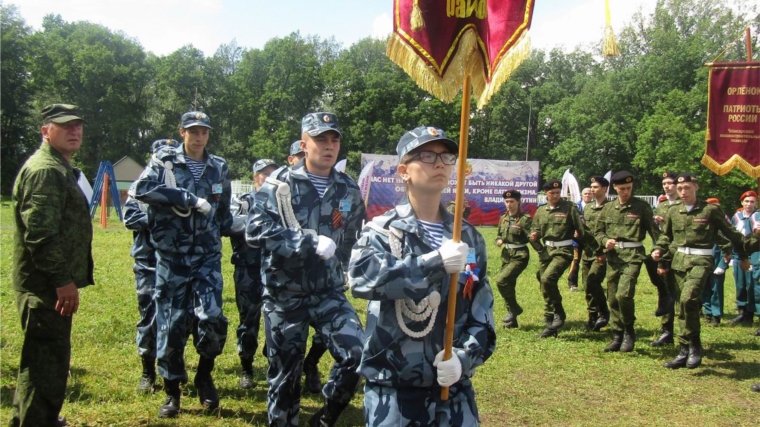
(643, 111)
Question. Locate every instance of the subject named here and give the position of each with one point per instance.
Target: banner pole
(464, 136)
(748, 45)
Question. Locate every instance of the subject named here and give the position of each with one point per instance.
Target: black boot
(328, 415)
(755, 387)
(629, 339)
(246, 378)
(548, 331)
(666, 337)
(170, 408)
(680, 360)
(592, 317)
(148, 378)
(665, 303)
(617, 341)
(512, 324)
(204, 384)
(311, 369)
(743, 318)
(602, 321)
(559, 317)
(695, 353)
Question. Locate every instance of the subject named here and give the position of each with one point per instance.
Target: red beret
(746, 194)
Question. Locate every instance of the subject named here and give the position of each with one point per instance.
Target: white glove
(325, 247)
(203, 206)
(731, 263)
(449, 371)
(718, 271)
(454, 256)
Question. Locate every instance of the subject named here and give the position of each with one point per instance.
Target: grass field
(566, 381)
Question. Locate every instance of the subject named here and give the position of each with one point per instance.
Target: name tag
(345, 205)
(471, 256)
(701, 219)
(560, 215)
(515, 226)
(631, 215)
(216, 189)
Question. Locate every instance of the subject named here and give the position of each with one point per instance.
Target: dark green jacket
(559, 224)
(591, 214)
(52, 244)
(626, 223)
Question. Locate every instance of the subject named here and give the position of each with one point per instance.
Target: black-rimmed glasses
(430, 157)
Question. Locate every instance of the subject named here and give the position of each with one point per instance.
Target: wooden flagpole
(464, 135)
(748, 44)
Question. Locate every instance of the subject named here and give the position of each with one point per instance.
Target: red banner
(733, 118)
(437, 41)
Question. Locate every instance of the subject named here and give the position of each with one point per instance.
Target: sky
(163, 26)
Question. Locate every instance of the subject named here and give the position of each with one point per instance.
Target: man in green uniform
(52, 259)
(555, 222)
(514, 227)
(665, 301)
(621, 229)
(688, 235)
(593, 261)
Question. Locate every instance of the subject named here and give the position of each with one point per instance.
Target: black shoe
(602, 321)
(591, 321)
(744, 319)
(755, 387)
(547, 332)
(246, 378)
(665, 305)
(512, 324)
(629, 339)
(148, 379)
(665, 338)
(715, 321)
(573, 288)
(512, 315)
(328, 414)
(62, 422)
(757, 332)
(680, 360)
(170, 408)
(617, 341)
(204, 384)
(311, 378)
(558, 320)
(695, 353)
(708, 318)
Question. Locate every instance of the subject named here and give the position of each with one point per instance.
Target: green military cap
(512, 194)
(687, 177)
(60, 113)
(622, 177)
(552, 184)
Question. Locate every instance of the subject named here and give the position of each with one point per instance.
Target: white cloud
(382, 25)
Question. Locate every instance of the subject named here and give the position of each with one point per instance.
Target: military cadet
(578, 247)
(188, 193)
(402, 264)
(52, 259)
(712, 294)
(594, 261)
(556, 223)
(747, 289)
(665, 284)
(296, 153)
(621, 228)
(512, 238)
(688, 235)
(136, 219)
(247, 276)
(306, 219)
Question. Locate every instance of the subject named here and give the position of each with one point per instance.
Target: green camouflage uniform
(669, 279)
(593, 272)
(624, 223)
(51, 248)
(513, 230)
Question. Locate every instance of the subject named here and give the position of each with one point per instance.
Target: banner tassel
(610, 47)
(417, 22)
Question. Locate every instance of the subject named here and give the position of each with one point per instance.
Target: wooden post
(104, 203)
(464, 136)
(748, 44)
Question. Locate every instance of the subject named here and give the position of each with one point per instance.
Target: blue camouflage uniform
(712, 294)
(188, 269)
(402, 387)
(302, 289)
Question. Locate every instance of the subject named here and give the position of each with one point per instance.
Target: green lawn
(567, 381)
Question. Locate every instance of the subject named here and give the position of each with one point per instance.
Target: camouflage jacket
(626, 223)
(699, 228)
(513, 230)
(289, 254)
(52, 244)
(558, 224)
(196, 234)
(390, 357)
(242, 254)
(136, 219)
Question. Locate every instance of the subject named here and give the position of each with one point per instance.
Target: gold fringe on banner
(417, 22)
(610, 47)
(735, 161)
(467, 58)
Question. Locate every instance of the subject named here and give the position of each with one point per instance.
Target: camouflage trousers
(145, 284)
(286, 324)
(248, 295)
(712, 295)
(689, 300)
(621, 289)
(506, 282)
(194, 283)
(669, 281)
(44, 365)
(423, 407)
(593, 274)
(550, 269)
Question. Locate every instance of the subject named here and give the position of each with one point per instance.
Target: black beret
(552, 184)
(669, 175)
(600, 180)
(512, 194)
(622, 177)
(686, 177)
